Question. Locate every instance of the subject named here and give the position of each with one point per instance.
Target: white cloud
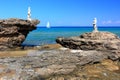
(111, 22)
(107, 22)
(117, 22)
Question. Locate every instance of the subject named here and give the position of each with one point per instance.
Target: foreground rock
(14, 31)
(92, 41)
(61, 64)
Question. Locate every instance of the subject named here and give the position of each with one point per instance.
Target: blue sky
(64, 12)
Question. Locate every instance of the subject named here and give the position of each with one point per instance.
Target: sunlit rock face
(92, 41)
(13, 31)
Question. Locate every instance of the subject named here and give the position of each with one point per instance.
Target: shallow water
(43, 35)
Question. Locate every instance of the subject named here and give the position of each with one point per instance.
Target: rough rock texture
(14, 31)
(57, 64)
(92, 41)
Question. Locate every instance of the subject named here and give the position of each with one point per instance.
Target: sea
(43, 35)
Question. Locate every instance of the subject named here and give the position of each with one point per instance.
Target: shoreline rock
(92, 41)
(13, 32)
(51, 63)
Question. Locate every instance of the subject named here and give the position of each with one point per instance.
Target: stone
(53, 63)
(13, 31)
(29, 14)
(110, 65)
(91, 41)
(95, 25)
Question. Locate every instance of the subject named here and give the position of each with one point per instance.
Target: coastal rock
(13, 31)
(92, 41)
(57, 64)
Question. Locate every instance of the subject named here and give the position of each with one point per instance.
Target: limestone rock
(99, 36)
(13, 31)
(43, 64)
(92, 41)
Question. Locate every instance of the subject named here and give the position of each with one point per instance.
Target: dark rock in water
(14, 31)
(92, 41)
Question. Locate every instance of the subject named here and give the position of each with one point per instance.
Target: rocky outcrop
(14, 31)
(92, 41)
(56, 63)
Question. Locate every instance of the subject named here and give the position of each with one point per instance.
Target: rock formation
(92, 41)
(14, 31)
(62, 63)
(52, 64)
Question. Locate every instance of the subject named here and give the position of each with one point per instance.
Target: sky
(64, 12)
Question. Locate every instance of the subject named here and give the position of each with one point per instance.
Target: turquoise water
(43, 35)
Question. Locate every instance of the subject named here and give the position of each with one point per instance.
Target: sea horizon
(43, 35)
(77, 26)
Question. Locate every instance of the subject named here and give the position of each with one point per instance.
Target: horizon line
(79, 26)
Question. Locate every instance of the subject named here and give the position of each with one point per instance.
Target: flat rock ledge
(91, 41)
(13, 31)
(61, 64)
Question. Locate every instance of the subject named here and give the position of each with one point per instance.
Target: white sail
(48, 25)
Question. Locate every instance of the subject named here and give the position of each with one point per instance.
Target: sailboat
(48, 25)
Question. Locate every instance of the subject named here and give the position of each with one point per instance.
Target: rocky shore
(92, 41)
(51, 63)
(90, 56)
(13, 32)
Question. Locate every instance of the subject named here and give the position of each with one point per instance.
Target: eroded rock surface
(96, 46)
(14, 31)
(59, 64)
(92, 41)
